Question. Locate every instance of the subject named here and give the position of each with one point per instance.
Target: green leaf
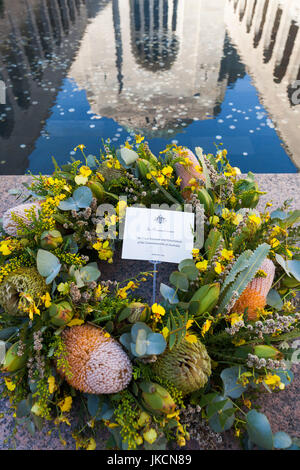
(212, 243)
(241, 263)
(93, 402)
(208, 398)
(294, 267)
(180, 281)
(128, 156)
(282, 440)
(292, 219)
(191, 272)
(229, 377)
(214, 407)
(48, 265)
(259, 429)
(90, 273)
(274, 299)
(31, 427)
(23, 409)
(169, 294)
(225, 415)
(126, 312)
(215, 421)
(286, 376)
(199, 153)
(6, 333)
(186, 263)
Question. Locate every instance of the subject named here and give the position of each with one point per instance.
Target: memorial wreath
(75, 346)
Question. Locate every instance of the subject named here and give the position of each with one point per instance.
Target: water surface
(198, 73)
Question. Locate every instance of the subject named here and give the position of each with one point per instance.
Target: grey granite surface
(281, 408)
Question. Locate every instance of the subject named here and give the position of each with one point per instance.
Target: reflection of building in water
(38, 39)
(163, 67)
(267, 36)
(153, 38)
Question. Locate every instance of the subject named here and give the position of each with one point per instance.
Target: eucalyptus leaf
(169, 294)
(229, 377)
(191, 272)
(274, 299)
(157, 344)
(48, 265)
(83, 197)
(90, 272)
(68, 205)
(23, 409)
(294, 268)
(286, 376)
(282, 440)
(214, 421)
(259, 429)
(31, 427)
(180, 281)
(128, 156)
(91, 161)
(278, 215)
(93, 402)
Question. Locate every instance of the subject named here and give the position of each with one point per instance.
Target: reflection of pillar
(281, 68)
(259, 32)
(268, 51)
(55, 20)
(45, 30)
(118, 41)
(250, 16)
(153, 36)
(274, 62)
(243, 7)
(72, 10)
(64, 15)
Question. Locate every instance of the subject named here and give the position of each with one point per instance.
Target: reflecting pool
(194, 72)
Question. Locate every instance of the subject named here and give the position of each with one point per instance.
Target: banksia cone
(10, 226)
(187, 366)
(97, 363)
(254, 296)
(26, 280)
(186, 173)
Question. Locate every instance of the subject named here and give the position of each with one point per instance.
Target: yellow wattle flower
(65, 404)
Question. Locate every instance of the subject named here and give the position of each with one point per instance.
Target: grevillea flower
(190, 170)
(254, 296)
(21, 213)
(96, 361)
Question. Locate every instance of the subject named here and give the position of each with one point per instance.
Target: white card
(158, 235)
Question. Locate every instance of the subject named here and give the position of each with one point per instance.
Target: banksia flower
(254, 296)
(189, 172)
(187, 366)
(10, 226)
(97, 363)
(23, 280)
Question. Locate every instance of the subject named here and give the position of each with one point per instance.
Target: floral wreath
(148, 373)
